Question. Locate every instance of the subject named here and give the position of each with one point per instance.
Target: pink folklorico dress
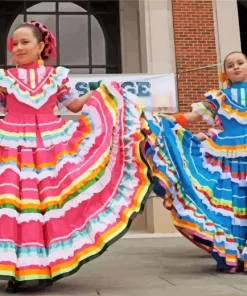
(68, 189)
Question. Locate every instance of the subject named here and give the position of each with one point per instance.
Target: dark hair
(37, 34)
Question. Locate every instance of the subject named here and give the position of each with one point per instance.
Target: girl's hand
(78, 103)
(94, 85)
(201, 136)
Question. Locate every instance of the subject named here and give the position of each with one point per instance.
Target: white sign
(152, 92)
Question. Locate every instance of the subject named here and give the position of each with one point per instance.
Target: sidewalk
(151, 267)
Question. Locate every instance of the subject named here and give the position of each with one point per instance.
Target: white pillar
(157, 38)
(226, 27)
(157, 56)
(130, 41)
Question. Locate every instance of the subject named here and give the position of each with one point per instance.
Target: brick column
(195, 46)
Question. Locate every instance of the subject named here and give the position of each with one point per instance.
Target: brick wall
(195, 47)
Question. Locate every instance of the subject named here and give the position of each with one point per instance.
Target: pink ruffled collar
(34, 65)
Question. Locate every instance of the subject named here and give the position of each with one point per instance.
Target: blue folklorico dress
(204, 184)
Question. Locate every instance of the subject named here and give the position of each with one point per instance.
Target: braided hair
(42, 34)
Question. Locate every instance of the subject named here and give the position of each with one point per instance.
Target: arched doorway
(88, 33)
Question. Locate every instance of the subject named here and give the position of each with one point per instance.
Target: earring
(12, 62)
(40, 61)
(228, 83)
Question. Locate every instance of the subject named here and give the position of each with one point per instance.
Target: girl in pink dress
(68, 189)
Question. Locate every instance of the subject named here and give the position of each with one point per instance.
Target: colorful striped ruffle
(226, 144)
(217, 102)
(232, 143)
(18, 129)
(205, 194)
(208, 108)
(78, 195)
(39, 96)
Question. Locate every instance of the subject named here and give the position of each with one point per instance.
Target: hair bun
(48, 39)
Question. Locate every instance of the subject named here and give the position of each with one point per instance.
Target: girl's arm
(190, 117)
(78, 103)
(183, 119)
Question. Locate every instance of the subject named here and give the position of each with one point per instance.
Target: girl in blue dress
(204, 184)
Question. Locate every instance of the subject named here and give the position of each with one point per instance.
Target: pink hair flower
(10, 44)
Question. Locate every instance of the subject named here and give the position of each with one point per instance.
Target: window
(87, 32)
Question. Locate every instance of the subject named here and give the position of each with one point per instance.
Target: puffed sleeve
(208, 108)
(65, 94)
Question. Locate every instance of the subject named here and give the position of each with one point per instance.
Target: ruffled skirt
(204, 190)
(63, 202)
